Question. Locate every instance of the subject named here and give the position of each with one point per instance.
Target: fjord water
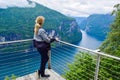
(27, 62)
(89, 41)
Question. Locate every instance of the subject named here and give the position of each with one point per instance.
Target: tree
(112, 44)
(82, 68)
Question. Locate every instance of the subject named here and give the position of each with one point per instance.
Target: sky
(76, 8)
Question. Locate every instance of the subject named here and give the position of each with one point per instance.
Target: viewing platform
(34, 76)
(19, 60)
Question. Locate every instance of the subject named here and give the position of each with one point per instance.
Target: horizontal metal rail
(89, 50)
(68, 49)
(82, 48)
(7, 42)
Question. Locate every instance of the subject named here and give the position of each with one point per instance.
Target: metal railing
(99, 56)
(20, 58)
(15, 58)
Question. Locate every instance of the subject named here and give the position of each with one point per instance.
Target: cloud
(80, 7)
(15, 3)
(68, 7)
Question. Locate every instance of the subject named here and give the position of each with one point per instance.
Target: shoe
(47, 75)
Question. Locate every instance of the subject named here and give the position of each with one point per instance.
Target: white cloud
(80, 7)
(69, 7)
(17, 3)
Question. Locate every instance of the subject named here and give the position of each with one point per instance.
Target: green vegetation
(18, 23)
(83, 67)
(112, 44)
(12, 77)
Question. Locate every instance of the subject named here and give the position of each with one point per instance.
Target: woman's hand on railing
(54, 39)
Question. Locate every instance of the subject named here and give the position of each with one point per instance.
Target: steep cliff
(97, 25)
(18, 23)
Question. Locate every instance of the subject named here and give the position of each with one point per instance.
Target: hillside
(97, 25)
(18, 23)
(79, 19)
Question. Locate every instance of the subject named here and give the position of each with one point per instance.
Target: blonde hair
(39, 22)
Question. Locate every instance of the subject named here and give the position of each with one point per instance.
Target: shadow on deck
(33, 76)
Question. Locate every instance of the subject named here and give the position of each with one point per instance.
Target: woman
(42, 43)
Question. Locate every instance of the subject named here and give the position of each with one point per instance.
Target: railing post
(49, 61)
(97, 67)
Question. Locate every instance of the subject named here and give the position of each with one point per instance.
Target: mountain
(79, 19)
(97, 25)
(18, 23)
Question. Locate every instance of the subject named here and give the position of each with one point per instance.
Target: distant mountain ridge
(80, 19)
(18, 23)
(97, 25)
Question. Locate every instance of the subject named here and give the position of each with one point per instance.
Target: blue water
(89, 42)
(23, 63)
